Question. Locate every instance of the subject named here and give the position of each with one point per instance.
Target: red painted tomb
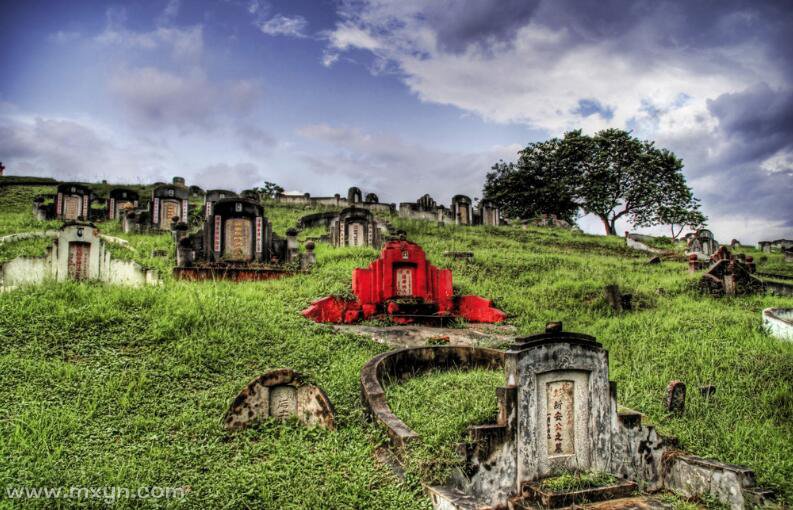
(404, 285)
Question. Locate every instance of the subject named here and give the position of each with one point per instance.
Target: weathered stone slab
(280, 394)
(473, 335)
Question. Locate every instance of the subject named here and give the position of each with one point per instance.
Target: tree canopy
(612, 175)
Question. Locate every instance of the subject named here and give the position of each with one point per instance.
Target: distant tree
(679, 211)
(612, 175)
(270, 190)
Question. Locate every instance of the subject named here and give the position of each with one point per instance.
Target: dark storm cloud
(759, 121)
(461, 23)
(757, 168)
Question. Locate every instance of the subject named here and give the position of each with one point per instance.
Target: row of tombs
(169, 202)
(557, 415)
(231, 237)
(234, 240)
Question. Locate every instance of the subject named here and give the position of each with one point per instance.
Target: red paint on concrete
(398, 283)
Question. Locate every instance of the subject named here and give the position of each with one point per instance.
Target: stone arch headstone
(280, 394)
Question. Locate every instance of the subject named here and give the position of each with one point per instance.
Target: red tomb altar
(403, 284)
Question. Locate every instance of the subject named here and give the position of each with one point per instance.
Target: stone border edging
(405, 363)
(777, 325)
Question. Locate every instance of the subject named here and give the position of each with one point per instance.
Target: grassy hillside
(109, 386)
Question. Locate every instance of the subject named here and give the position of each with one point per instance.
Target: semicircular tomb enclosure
(557, 414)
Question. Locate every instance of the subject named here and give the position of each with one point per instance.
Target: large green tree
(535, 185)
(612, 175)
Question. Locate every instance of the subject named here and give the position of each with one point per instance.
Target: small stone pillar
(693, 263)
(184, 254)
(553, 327)
(308, 259)
(292, 248)
(750, 264)
(179, 231)
(613, 297)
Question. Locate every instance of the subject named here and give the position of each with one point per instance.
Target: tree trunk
(610, 231)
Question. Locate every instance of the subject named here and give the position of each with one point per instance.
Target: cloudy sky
(399, 97)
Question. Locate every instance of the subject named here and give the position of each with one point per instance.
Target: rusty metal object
(280, 394)
(405, 363)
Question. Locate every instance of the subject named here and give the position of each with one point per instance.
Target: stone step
(534, 491)
(629, 503)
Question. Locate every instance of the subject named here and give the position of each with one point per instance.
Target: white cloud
(183, 43)
(64, 37)
(393, 168)
(71, 149)
(347, 35)
(235, 177)
(539, 76)
(279, 24)
(158, 98)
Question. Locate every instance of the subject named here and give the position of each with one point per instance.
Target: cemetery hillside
(128, 350)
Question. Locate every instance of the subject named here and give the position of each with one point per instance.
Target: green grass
(577, 481)
(112, 386)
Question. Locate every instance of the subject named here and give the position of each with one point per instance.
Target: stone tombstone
(355, 227)
(703, 242)
(168, 202)
(72, 202)
(403, 271)
(237, 232)
(556, 415)
(121, 201)
(354, 196)
(280, 394)
(251, 194)
(426, 203)
(212, 196)
(78, 252)
(461, 210)
(236, 243)
(729, 276)
(489, 213)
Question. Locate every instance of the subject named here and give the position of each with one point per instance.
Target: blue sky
(400, 98)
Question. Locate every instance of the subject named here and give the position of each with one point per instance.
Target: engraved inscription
(560, 419)
(170, 208)
(79, 256)
(237, 240)
(356, 235)
(404, 281)
(71, 207)
(463, 211)
(283, 401)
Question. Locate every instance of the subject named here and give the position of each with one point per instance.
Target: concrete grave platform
(473, 335)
